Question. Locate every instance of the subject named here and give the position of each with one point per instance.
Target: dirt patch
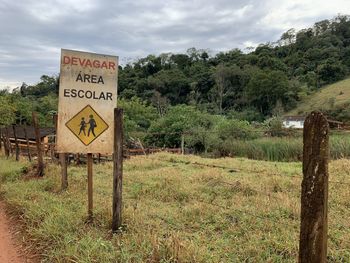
(11, 250)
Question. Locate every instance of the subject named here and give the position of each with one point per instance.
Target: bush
(180, 119)
(235, 129)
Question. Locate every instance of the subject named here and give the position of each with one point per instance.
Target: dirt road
(9, 248)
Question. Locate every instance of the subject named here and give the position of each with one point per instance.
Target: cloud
(33, 32)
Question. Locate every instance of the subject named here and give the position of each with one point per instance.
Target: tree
(178, 119)
(171, 83)
(7, 112)
(47, 85)
(222, 77)
(331, 71)
(265, 88)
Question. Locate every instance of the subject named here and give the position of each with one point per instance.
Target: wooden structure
(295, 122)
(47, 136)
(333, 124)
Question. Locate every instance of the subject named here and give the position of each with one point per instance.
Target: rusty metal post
(314, 192)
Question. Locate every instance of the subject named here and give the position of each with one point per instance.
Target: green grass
(176, 212)
(284, 149)
(338, 92)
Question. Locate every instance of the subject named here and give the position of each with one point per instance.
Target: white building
(296, 122)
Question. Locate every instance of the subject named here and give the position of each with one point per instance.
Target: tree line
(227, 93)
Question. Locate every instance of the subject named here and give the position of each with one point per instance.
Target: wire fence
(195, 132)
(292, 221)
(233, 169)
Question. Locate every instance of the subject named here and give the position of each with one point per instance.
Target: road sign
(87, 97)
(87, 125)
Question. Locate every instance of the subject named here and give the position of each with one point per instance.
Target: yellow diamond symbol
(87, 125)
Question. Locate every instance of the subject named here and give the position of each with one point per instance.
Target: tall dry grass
(176, 211)
(283, 149)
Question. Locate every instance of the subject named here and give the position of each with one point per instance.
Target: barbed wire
(263, 131)
(231, 169)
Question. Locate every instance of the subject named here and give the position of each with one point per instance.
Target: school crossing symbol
(87, 125)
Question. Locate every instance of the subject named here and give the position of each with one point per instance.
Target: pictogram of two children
(92, 126)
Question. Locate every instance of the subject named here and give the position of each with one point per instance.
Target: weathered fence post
(182, 144)
(62, 158)
(53, 145)
(90, 161)
(27, 141)
(1, 139)
(117, 170)
(314, 192)
(16, 142)
(7, 151)
(64, 175)
(38, 145)
(8, 142)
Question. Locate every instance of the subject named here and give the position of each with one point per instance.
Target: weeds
(175, 212)
(285, 149)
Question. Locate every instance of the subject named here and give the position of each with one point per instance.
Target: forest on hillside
(199, 91)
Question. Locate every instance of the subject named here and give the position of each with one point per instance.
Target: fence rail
(49, 150)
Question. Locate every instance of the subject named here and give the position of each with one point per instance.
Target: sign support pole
(64, 174)
(62, 160)
(90, 190)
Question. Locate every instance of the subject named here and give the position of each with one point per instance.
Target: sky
(34, 31)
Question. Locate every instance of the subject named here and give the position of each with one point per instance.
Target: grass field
(285, 149)
(336, 94)
(175, 211)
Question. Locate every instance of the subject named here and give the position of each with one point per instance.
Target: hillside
(330, 99)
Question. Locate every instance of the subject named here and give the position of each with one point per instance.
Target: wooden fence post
(8, 142)
(182, 144)
(64, 174)
(16, 142)
(27, 141)
(38, 145)
(7, 151)
(90, 185)
(62, 159)
(55, 120)
(314, 192)
(117, 170)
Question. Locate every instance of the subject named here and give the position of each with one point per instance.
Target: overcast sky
(34, 31)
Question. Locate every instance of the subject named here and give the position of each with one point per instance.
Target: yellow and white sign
(87, 125)
(87, 98)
